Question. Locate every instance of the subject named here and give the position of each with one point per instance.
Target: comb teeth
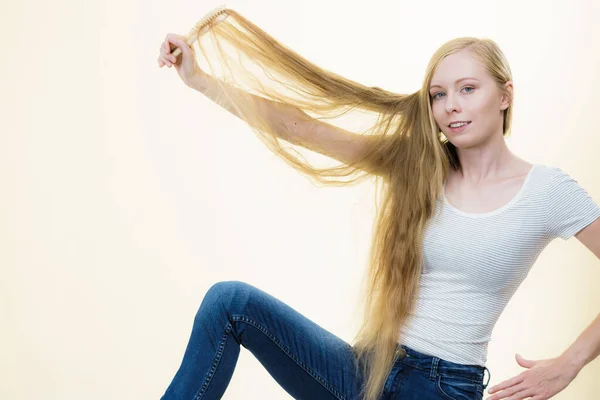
(205, 21)
(208, 19)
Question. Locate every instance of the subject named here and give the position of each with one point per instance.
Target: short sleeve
(569, 207)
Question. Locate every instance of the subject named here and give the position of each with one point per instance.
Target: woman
(462, 221)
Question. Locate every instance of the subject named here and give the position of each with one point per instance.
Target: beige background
(126, 195)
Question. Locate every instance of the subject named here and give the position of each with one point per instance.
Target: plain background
(126, 195)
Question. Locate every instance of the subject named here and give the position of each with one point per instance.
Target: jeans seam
(264, 330)
(215, 363)
(437, 383)
(397, 381)
(460, 377)
(445, 374)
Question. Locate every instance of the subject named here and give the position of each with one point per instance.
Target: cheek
(437, 116)
(483, 105)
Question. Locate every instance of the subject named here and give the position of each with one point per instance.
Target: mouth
(461, 128)
(467, 123)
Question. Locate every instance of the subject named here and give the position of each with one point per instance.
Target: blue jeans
(306, 360)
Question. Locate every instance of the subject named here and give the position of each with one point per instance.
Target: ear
(507, 95)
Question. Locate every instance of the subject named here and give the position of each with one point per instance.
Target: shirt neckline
(515, 198)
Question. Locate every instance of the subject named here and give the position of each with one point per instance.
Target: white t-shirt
(474, 263)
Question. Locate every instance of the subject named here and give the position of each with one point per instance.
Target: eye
(435, 96)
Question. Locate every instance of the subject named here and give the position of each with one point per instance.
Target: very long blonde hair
(409, 158)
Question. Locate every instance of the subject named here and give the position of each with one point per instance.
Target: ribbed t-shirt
(474, 263)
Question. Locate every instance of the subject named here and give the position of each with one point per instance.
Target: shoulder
(569, 207)
(556, 178)
(548, 170)
(554, 184)
(550, 175)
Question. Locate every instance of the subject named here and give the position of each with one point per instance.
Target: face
(462, 90)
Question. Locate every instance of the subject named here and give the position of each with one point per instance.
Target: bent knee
(228, 294)
(226, 288)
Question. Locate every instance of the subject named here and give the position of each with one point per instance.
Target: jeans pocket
(453, 387)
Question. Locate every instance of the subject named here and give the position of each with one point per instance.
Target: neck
(486, 162)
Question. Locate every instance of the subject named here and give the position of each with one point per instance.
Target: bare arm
(290, 123)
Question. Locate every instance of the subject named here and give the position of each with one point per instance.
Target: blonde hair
(408, 156)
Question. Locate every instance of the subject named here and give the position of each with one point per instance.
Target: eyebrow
(458, 80)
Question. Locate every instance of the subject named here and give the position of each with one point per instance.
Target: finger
(164, 49)
(169, 44)
(162, 59)
(167, 47)
(180, 42)
(167, 58)
(176, 36)
(507, 383)
(165, 61)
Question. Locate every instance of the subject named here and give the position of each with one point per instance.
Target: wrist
(573, 361)
(198, 81)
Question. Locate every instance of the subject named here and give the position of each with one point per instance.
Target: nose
(452, 104)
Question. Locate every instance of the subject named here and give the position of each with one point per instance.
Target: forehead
(456, 66)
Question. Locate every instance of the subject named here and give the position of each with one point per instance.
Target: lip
(459, 129)
(454, 122)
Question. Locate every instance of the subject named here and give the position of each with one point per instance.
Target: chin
(463, 141)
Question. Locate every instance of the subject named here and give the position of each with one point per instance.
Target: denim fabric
(306, 360)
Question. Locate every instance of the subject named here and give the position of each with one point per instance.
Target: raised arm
(290, 123)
